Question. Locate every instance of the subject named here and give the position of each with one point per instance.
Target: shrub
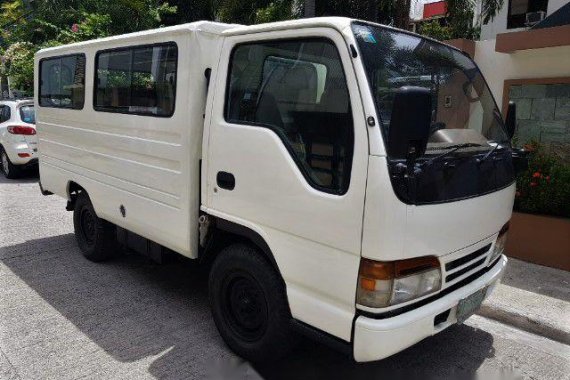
(545, 187)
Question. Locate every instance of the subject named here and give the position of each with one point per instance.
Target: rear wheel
(10, 170)
(96, 237)
(249, 304)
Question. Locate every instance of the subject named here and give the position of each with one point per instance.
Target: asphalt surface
(63, 317)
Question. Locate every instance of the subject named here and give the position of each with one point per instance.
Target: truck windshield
(464, 111)
(468, 152)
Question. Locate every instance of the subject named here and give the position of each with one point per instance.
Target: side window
(138, 80)
(62, 82)
(297, 88)
(5, 113)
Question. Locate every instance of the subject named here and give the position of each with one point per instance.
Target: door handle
(226, 180)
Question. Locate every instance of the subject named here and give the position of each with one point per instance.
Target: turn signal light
(382, 284)
(21, 130)
(499, 247)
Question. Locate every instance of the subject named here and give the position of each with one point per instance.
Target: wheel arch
(73, 190)
(225, 232)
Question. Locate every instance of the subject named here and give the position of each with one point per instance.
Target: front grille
(467, 258)
(466, 264)
(461, 272)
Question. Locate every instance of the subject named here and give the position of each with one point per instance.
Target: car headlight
(499, 247)
(382, 284)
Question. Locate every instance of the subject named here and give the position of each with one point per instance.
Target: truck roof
(217, 28)
(208, 27)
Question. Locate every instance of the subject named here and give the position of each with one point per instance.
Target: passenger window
(139, 80)
(297, 88)
(62, 82)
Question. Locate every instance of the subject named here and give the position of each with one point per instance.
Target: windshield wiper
(453, 148)
(489, 153)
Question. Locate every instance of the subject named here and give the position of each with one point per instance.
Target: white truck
(332, 192)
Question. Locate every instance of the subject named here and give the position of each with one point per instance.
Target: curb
(523, 322)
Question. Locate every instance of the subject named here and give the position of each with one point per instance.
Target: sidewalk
(533, 298)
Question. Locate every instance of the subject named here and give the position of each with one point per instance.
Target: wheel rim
(87, 225)
(5, 164)
(244, 306)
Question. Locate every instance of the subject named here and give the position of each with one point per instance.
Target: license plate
(467, 306)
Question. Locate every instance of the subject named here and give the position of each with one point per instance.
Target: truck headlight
(382, 284)
(499, 247)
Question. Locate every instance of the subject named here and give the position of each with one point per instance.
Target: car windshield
(463, 109)
(28, 114)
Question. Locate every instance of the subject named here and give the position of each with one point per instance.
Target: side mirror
(511, 119)
(410, 123)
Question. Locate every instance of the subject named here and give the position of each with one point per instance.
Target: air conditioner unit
(534, 17)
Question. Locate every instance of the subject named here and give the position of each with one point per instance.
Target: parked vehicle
(331, 197)
(18, 140)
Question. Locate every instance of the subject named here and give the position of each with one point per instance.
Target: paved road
(64, 317)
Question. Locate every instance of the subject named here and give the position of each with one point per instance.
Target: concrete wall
(499, 23)
(543, 112)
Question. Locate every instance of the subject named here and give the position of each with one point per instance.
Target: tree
(435, 30)
(461, 21)
(277, 10)
(18, 64)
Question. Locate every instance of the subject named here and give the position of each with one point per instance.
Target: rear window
(28, 114)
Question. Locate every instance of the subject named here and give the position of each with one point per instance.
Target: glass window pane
(298, 89)
(140, 80)
(27, 114)
(62, 82)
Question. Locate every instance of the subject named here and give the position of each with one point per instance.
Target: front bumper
(376, 339)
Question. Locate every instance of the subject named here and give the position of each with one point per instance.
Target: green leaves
(18, 64)
(434, 30)
(460, 19)
(545, 187)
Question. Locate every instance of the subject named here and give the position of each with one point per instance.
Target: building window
(137, 80)
(62, 82)
(297, 88)
(518, 10)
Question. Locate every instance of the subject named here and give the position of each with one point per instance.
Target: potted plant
(540, 227)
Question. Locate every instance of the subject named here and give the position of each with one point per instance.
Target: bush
(545, 187)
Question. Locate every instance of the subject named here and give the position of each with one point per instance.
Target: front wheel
(96, 237)
(10, 170)
(249, 304)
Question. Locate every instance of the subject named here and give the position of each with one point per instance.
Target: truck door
(286, 156)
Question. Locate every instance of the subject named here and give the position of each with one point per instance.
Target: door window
(297, 88)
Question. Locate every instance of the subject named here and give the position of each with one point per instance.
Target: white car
(18, 139)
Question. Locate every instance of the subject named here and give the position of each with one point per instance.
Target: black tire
(10, 170)
(96, 237)
(249, 304)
